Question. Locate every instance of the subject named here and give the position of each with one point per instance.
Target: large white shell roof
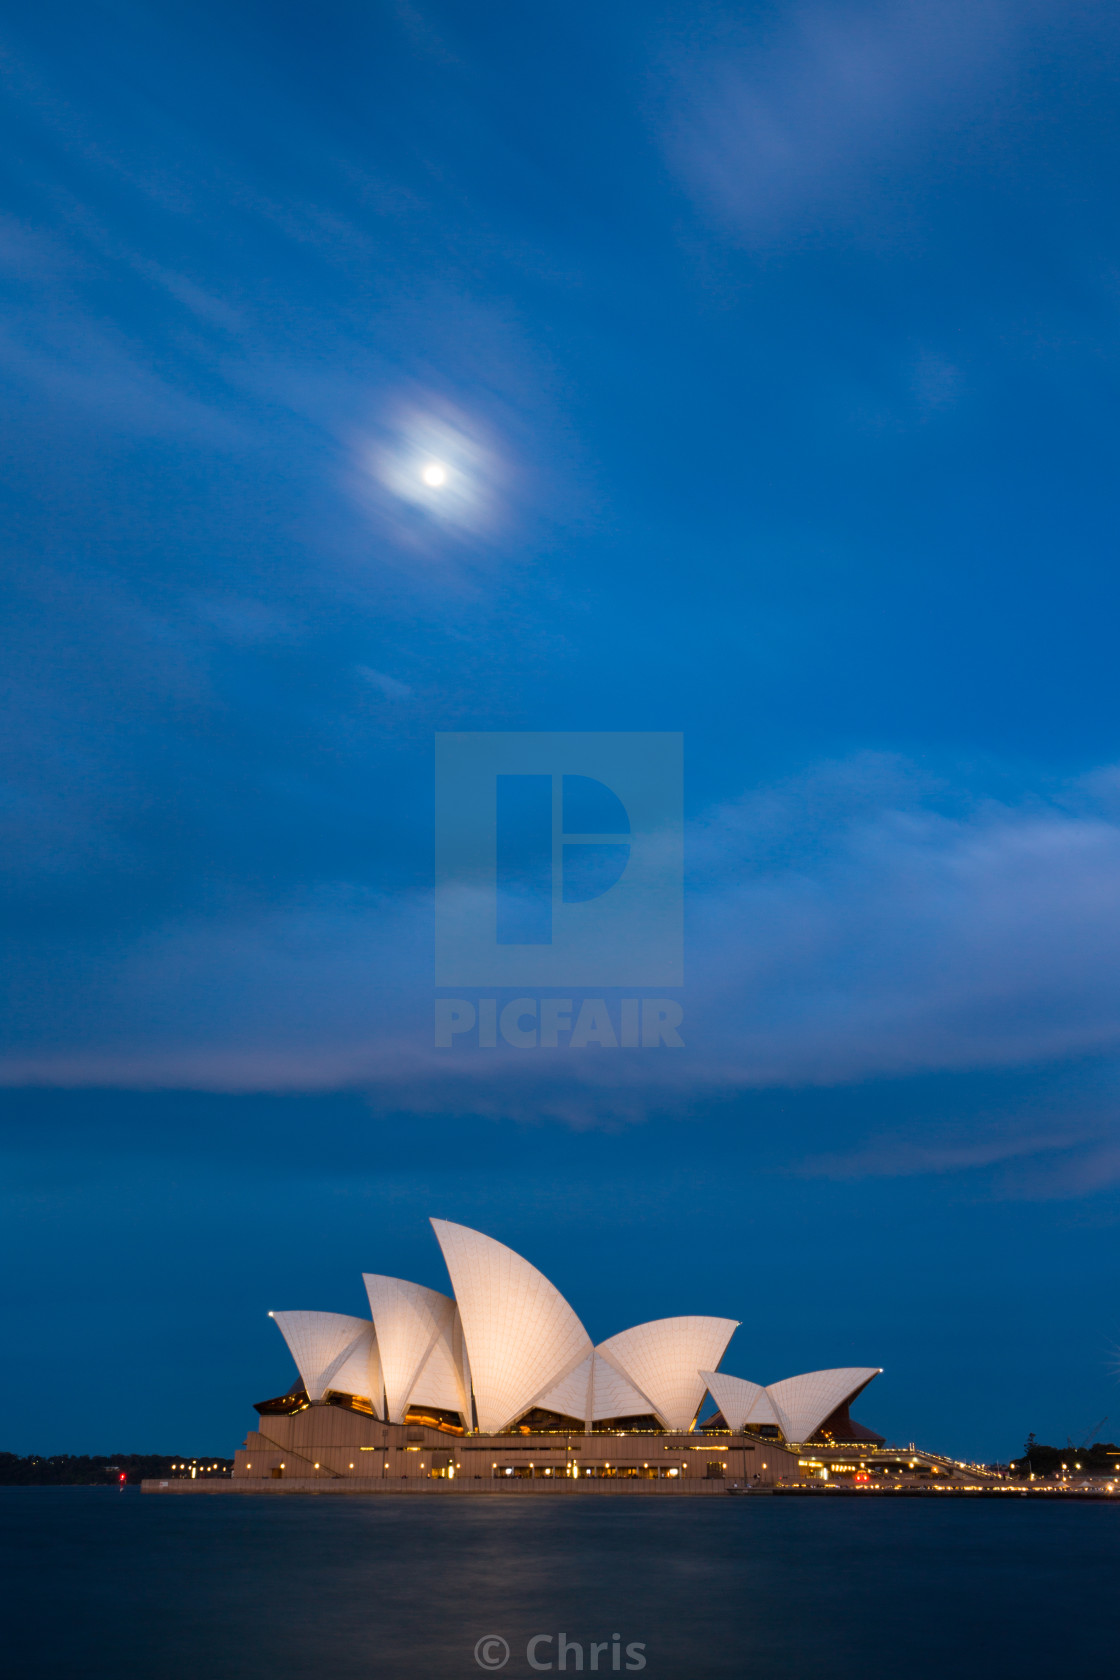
(509, 1341)
(594, 1391)
(522, 1336)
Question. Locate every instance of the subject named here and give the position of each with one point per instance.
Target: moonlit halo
(439, 462)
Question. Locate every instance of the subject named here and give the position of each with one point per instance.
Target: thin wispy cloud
(860, 922)
(910, 937)
(1060, 1152)
(803, 122)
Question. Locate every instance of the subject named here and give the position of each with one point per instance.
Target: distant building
(503, 1381)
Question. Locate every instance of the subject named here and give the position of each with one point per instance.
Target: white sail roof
(738, 1400)
(440, 1382)
(612, 1395)
(522, 1337)
(595, 1390)
(411, 1323)
(803, 1403)
(762, 1411)
(360, 1372)
(332, 1350)
(663, 1360)
(572, 1397)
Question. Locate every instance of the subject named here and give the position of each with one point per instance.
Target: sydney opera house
(498, 1386)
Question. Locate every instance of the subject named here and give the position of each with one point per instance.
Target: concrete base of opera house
(370, 1486)
(328, 1449)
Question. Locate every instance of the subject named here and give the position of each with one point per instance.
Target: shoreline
(559, 1489)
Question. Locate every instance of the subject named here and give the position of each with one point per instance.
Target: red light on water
(122, 1477)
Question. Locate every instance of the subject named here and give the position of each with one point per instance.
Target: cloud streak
(858, 923)
(769, 132)
(911, 938)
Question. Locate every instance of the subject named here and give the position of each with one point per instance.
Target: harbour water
(102, 1583)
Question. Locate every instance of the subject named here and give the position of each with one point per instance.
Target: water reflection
(256, 1588)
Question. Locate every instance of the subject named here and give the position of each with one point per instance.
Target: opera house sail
(334, 1354)
(434, 1386)
(521, 1335)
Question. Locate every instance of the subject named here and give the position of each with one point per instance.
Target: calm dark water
(103, 1583)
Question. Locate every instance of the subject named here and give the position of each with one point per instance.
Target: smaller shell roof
(328, 1347)
(440, 1382)
(411, 1321)
(663, 1361)
(803, 1403)
(360, 1372)
(798, 1405)
(739, 1401)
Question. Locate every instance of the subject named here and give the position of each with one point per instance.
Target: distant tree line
(81, 1470)
(1101, 1459)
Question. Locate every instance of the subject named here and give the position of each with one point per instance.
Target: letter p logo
(592, 849)
(558, 860)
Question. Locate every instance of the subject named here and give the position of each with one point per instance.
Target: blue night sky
(773, 349)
